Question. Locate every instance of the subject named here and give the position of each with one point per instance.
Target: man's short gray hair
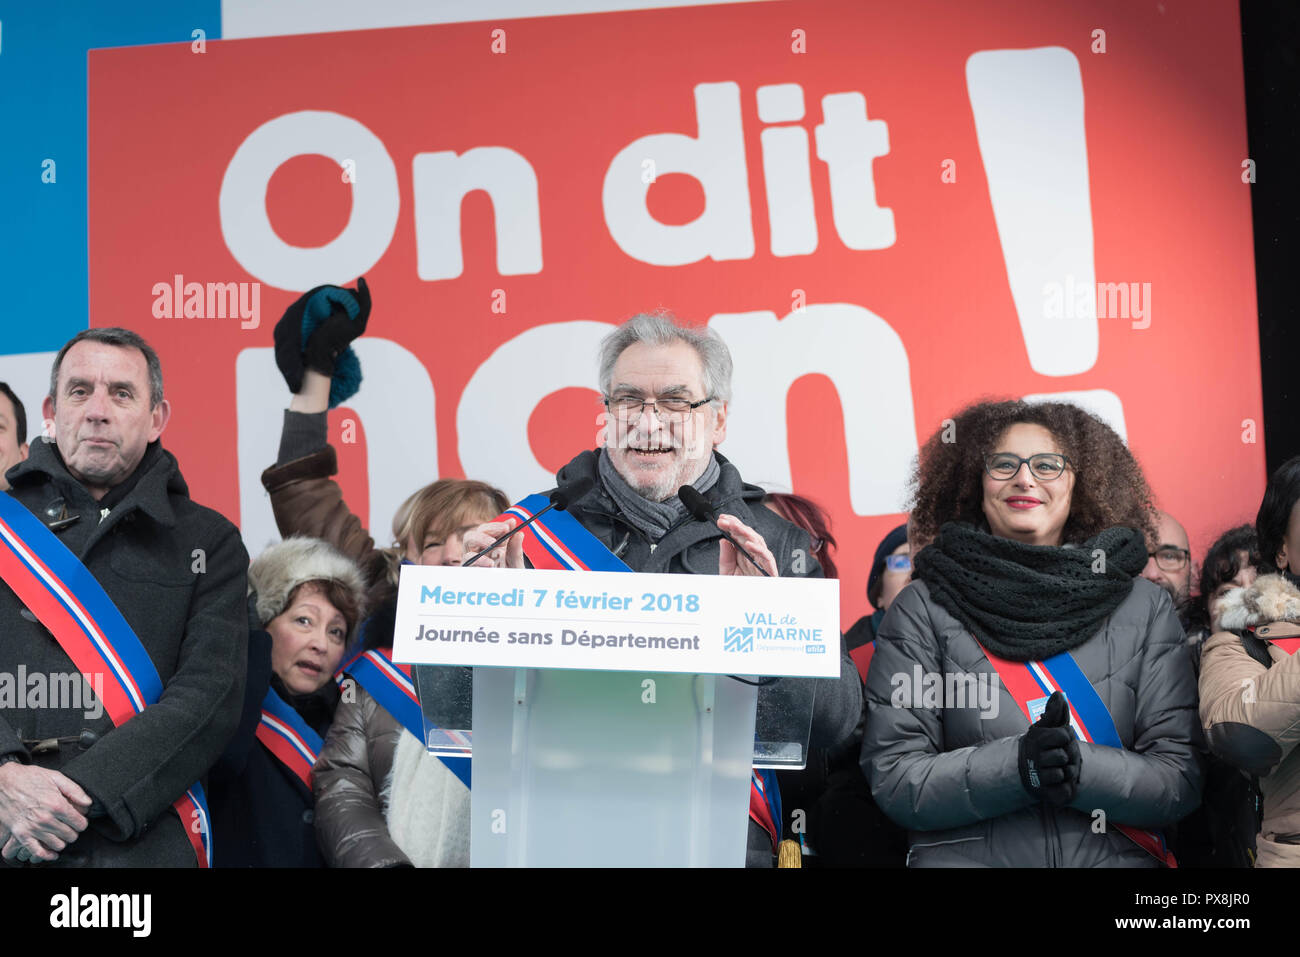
(663, 329)
(123, 339)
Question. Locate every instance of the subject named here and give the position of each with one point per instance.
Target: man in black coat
(73, 787)
(667, 388)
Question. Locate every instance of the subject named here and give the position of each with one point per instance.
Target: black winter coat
(692, 548)
(264, 814)
(178, 573)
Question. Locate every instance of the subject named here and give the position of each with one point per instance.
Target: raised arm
(304, 497)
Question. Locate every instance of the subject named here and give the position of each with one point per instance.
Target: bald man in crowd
(1169, 563)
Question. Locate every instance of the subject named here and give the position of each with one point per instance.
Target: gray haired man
(667, 388)
(79, 786)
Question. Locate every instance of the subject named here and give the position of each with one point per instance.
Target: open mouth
(312, 669)
(649, 451)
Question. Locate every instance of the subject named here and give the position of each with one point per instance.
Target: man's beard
(666, 487)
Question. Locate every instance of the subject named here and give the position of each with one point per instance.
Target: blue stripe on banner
(407, 712)
(45, 47)
(581, 542)
(282, 710)
(1092, 710)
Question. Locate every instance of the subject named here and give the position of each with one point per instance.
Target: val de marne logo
(739, 639)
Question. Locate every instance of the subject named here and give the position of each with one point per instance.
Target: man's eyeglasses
(1044, 466)
(628, 406)
(1170, 558)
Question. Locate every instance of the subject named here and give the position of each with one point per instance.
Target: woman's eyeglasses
(1044, 466)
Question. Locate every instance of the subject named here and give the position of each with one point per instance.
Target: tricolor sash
(287, 736)
(391, 686)
(58, 589)
(1031, 683)
(558, 540)
(765, 804)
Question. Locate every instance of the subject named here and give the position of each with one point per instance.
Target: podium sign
(605, 728)
(606, 621)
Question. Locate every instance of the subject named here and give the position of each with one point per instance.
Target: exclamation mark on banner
(1028, 107)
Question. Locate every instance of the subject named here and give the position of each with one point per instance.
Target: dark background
(1271, 46)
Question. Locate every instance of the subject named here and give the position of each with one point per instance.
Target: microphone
(702, 511)
(561, 498)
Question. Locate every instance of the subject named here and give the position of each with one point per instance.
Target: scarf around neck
(1029, 602)
(652, 518)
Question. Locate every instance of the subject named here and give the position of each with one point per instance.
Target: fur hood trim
(1268, 598)
(275, 573)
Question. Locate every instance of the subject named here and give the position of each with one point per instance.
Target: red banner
(887, 212)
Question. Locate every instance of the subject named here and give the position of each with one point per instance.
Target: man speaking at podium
(666, 388)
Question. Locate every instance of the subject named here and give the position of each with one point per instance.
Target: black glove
(1049, 755)
(330, 338)
(338, 332)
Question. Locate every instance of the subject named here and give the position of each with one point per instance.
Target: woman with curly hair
(1030, 703)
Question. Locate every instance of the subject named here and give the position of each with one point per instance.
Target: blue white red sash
(57, 588)
(286, 735)
(558, 540)
(1031, 683)
(765, 804)
(391, 686)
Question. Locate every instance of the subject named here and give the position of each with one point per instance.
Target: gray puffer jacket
(950, 774)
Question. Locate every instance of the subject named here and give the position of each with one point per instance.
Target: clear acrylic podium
(611, 768)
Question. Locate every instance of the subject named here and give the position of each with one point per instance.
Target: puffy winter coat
(950, 774)
(381, 799)
(1251, 711)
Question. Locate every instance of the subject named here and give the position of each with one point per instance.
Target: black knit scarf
(1029, 602)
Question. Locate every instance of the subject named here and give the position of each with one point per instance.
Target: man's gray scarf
(652, 518)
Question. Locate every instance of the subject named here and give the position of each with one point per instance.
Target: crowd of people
(1093, 708)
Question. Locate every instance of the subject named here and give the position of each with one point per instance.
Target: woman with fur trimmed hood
(1250, 676)
(305, 602)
